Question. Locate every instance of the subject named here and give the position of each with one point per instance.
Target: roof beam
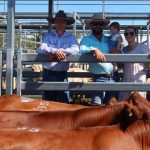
(85, 15)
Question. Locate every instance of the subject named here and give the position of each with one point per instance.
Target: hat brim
(88, 22)
(69, 20)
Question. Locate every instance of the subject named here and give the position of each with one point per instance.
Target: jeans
(102, 97)
(55, 76)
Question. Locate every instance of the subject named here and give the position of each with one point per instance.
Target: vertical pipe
(25, 37)
(19, 72)
(20, 36)
(3, 40)
(103, 9)
(41, 34)
(84, 29)
(148, 25)
(137, 37)
(50, 13)
(74, 25)
(35, 39)
(141, 35)
(4, 5)
(10, 45)
(74, 31)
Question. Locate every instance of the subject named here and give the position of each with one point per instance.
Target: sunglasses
(98, 24)
(129, 33)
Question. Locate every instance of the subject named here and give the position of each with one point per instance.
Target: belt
(54, 72)
(104, 75)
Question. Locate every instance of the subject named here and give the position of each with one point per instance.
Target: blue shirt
(51, 42)
(90, 43)
(113, 41)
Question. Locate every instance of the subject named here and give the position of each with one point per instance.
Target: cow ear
(130, 100)
(133, 94)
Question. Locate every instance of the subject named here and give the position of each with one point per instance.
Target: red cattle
(136, 137)
(85, 117)
(14, 102)
(140, 132)
(140, 102)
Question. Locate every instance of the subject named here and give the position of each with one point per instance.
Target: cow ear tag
(130, 114)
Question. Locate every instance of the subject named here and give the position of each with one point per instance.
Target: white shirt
(134, 72)
(51, 42)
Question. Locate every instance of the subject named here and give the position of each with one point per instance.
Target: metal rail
(11, 16)
(76, 16)
(85, 15)
(40, 86)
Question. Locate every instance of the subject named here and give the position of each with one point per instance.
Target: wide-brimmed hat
(61, 16)
(97, 18)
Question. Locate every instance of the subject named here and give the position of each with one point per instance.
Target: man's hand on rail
(60, 55)
(99, 55)
(51, 56)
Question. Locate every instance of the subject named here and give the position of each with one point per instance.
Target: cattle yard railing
(29, 86)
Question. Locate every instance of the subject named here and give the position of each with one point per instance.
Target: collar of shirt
(103, 37)
(66, 34)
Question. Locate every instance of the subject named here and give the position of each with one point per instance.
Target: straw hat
(61, 16)
(97, 18)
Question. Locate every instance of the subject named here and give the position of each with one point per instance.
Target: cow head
(131, 113)
(140, 102)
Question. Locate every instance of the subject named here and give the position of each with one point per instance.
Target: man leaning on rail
(97, 44)
(58, 45)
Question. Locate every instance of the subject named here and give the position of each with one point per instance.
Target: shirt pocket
(52, 44)
(65, 45)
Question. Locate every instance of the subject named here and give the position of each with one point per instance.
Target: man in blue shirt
(58, 45)
(97, 44)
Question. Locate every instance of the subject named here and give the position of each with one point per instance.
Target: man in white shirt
(58, 45)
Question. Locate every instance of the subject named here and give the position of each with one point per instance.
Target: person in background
(97, 44)
(133, 72)
(115, 39)
(58, 45)
(115, 45)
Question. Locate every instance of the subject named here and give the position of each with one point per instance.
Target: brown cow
(14, 102)
(85, 117)
(140, 102)
(136, 137)
(140, 132)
